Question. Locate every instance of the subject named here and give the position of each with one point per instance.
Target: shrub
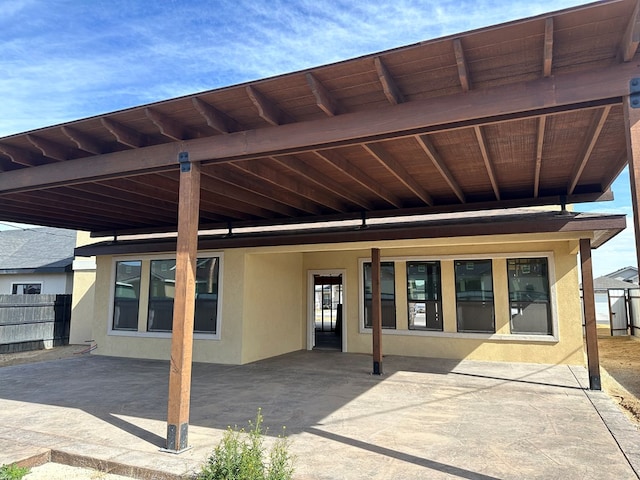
(240, 455)
(12, 472)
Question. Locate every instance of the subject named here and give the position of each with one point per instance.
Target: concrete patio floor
(424, 418)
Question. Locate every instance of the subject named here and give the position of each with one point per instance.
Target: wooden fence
(32, 322)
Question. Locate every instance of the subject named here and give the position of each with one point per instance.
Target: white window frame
(514, 337)
(142, 316)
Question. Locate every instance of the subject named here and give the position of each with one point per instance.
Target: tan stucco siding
(274, 308)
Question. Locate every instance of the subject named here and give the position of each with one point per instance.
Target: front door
(326, 311)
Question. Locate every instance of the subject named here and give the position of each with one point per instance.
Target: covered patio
(536, 112)
(426, 418)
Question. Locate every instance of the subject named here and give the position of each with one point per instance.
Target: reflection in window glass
(162, 293)
(127, 295)
(423, 295)
(529, 296)
(388, 293)
(474, 296)
(26, 289)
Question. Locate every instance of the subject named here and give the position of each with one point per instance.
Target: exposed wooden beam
(125, 135)
(268, 110)
(289, 183)
(631, 37)
(632, 135)
(488, 164)
(528, 99)
(589, 303)
(592, 138)
(21, 157)
(83, 141)
(311, 174)
(325, 101)
(398, 171)
(241, 179)
(50, 149)
(221, 186)
(347, 168)
(217, 120)
(376, 311)
(168, 127)
(461, 63)
(183, 311)
(548, 47)
(389, 86)
(542, 122)
(439, 163)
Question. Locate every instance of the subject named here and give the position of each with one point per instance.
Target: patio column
(183, 306)
(632, 131)
(376, 311)
(589, 302)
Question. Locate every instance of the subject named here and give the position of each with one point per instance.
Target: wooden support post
(183, 306)
(588, 299)
(632, 131)
(376, 311)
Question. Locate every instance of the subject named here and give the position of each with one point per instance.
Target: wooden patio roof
(525, 113)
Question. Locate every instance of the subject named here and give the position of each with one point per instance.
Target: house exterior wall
(264, 303)
(52, 283)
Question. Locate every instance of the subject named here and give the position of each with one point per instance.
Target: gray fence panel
(29, 322)
(634, 310)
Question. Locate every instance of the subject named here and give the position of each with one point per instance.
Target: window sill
(129, 333)
(472, 336)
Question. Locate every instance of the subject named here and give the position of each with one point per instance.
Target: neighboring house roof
(627, 274)
(42, 250)
(606, 283)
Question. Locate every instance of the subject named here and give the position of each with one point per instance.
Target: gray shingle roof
(606, 283)
(42, 249)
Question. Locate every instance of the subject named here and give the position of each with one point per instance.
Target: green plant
(240, 455)
(12, 472)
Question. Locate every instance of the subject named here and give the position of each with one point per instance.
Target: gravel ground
(57, 471)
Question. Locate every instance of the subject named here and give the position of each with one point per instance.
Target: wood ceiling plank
(242, 194)
(313, 175)
(83, 141)
(50, 149)
(389, 85)
(168, 127)
(398, 171)
(461, 63)
(441, 166)
(542, 123)
(542, 96)
(347, 168)
(123, 134)
(324, 99)
(548, 47)
(217, 120)
(267, 109)
(592, 138)
(289, 183)
(240, 179)
(482, 143)
(631, 38)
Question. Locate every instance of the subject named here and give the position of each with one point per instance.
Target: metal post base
(377, 368)
(594, 382)
(177, 444)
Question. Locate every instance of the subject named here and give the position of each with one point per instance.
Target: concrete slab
(425, 418)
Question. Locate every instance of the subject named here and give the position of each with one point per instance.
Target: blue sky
(67, 59)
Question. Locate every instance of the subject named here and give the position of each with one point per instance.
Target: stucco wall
(274, 316)
(450, 344)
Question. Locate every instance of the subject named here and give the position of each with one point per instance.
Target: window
(388, 293)
(529, 296)
(474, 296)
(162, 292)
(127, 295)
(424, 296)
(26, 289)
